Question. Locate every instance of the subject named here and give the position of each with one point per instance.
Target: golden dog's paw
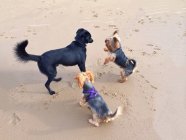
(81, 104)
(107, 120)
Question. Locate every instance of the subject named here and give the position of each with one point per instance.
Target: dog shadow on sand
(26, 95)
(59, 112)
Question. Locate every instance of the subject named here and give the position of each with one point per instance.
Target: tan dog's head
(83, 76)
(113, 42)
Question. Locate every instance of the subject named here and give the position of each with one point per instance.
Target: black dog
(73, 54)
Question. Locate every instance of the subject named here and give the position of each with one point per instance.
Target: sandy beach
(154, 98)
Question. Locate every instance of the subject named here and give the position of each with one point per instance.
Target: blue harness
(91, 93)
(121, 59)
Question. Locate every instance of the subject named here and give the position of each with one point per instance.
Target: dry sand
(154, 100)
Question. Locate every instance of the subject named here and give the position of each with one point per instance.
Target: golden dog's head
(83, 76)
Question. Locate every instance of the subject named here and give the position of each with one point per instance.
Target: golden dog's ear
(79, 80)
(90, 76)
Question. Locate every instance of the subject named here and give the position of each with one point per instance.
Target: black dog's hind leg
(47, 84)
(57, 79)
(51, 74)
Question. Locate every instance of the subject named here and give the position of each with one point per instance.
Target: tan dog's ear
(116, 42)
(115, 39)
(116, 32)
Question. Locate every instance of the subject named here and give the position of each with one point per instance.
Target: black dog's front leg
(82, 67)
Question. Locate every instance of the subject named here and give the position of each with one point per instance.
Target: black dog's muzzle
(91, 40)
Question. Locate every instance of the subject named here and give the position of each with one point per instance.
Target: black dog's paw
(52, 92)
(57, 79)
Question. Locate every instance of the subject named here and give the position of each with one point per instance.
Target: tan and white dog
(116, 55)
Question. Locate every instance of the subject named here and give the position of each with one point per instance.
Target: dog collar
(91, 93)
(80, 43)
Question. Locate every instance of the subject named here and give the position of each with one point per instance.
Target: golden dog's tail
(117, 113)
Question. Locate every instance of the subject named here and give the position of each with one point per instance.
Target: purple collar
(91, 93)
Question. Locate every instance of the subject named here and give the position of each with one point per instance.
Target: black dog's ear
(80, 30)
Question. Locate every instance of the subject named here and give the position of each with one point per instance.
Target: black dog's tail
(117, 113)
(21, 53)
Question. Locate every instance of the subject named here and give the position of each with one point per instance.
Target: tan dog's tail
(117, 113)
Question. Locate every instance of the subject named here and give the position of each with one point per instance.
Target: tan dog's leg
(82, 102)
(109, 59)
(94, 121)
(106, 49)
(123, 77)
(107, 120)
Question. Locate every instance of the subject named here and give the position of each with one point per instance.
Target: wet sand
(154, 100)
